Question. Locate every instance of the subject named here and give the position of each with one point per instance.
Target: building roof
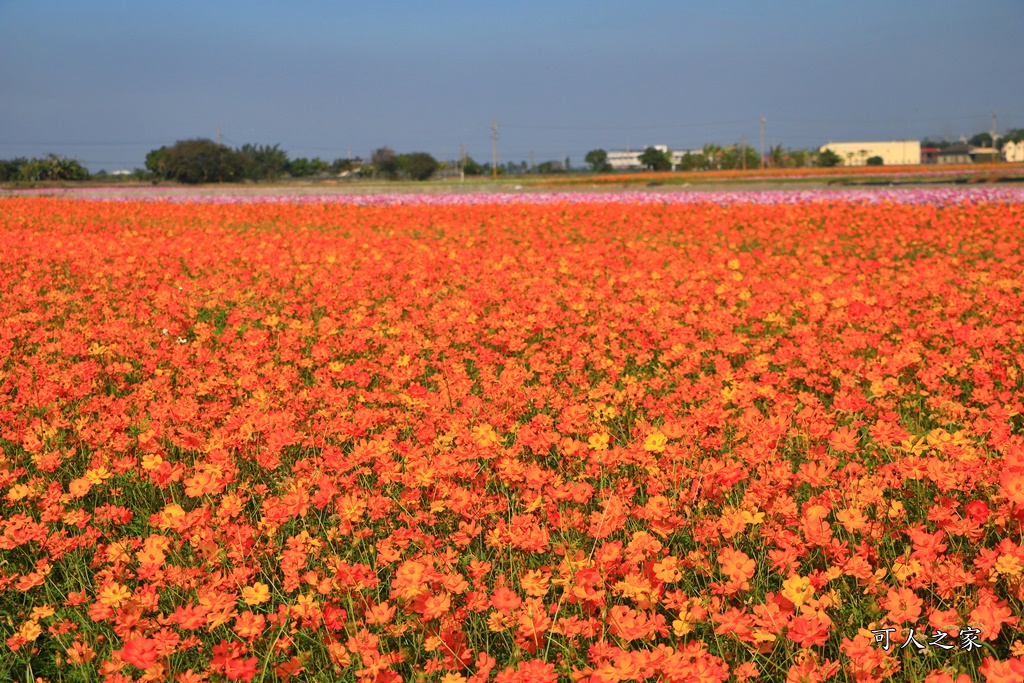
(958, 148)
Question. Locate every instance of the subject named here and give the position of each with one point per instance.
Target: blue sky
(106, 81)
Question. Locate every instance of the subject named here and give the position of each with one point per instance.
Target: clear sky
(106, 81)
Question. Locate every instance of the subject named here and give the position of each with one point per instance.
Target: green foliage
(10, 169)
(598, 160)
(304, 168)
(734, 157)
(828, 159)
(656, 160)
(692, 162)
(551, 167)
(417, 165)
(346, 166)
(981, 140)
(156, 162)
(385, 162)
(876, 161)
(52, 167)
(197, 161)
(264, 162)
(470, 167)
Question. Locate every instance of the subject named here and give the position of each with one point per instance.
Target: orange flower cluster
(596, 442)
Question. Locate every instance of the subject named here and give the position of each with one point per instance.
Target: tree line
(52, 167)
(204, 161)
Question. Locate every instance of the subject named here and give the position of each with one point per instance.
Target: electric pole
(762, 142)
(531, 161)
(462, 165)
(494, 149)
(994, 128)
(743, 150)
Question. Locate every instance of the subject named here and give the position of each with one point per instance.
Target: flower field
(465, 440)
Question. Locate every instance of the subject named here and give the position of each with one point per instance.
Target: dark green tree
(264, 162)
(550, 167)
(10, 169)
(981, 140)
(156, 163)
(470, 167)
(417, 165)
(200, 161)
(692, 162)
(346, 166)
(828, 159)
(304, 168)
(598, 160)
(875, 161)
(656, 160)
(53, 167)
(385, 162)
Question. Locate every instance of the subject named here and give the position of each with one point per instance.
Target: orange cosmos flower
(844, 440)
(903, 605)
(256, 594)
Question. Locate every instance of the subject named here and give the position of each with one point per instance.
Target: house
(626, 159)
(621, 160)
(930, 155)
(959, 153)
(1014, 151)
(893, 153)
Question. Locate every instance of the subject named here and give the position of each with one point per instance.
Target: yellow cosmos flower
(655, 443)
(256, 594)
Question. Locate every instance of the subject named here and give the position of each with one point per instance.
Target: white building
(1014, 151)
(894, 153)
(622, 160)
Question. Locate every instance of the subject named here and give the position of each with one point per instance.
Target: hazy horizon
(106, 82)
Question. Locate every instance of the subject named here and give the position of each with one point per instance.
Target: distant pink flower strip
(872, 196)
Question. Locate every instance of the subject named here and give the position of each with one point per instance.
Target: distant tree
(733, 158)
(941, 144)
(598, 160)
(797, 158)
(827, 158)
(981, 140)
(10, 169)
(197, 161)
(304, 168)
(550, 167)
(875, 161)
(264, 162)
(156, 163)
(346, 166)
(417, 165)
(776, 156)
(713, 153)
(53, 167)
(656, 160)
(385, 162)
(692, 162)
(470, 167)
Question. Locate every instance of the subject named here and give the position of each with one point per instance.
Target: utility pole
(994, 128)
(743, 150)
(349, 152)
(531, 161)
(462, 165)
(494, 149)
(762, 142)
